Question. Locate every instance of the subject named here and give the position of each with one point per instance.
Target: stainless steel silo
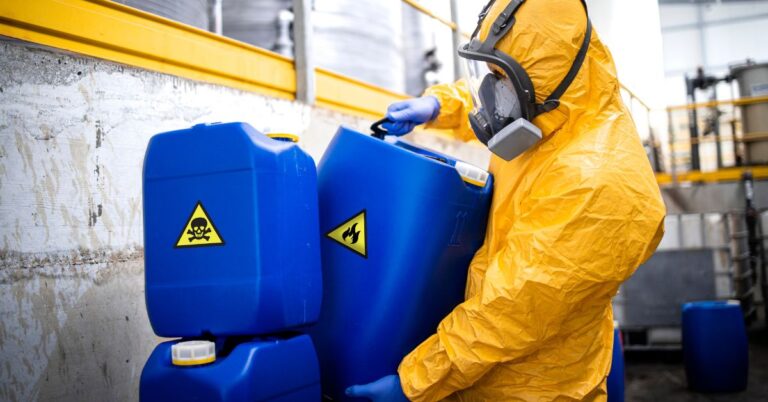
(753, 81)
(415, 48)
(190, 12)
(361, 39)
(253, 21)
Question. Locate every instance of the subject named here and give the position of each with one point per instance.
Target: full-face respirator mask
(503, 96)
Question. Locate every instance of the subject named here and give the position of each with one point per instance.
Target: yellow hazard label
(199, 230)
(352, 235)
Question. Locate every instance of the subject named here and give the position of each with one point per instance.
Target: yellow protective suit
(571, 219)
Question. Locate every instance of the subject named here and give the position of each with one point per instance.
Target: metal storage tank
(190, 12)
(414, 50)
(253, 21)
(753, 81)
(361, 39)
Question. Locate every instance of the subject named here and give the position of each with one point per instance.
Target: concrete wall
(73, 131)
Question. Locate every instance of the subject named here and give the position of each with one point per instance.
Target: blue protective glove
(407, 114)
(385, 389)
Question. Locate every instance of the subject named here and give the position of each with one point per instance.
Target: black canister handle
(378, 131)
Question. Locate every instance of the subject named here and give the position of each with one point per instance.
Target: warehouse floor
(660, 376)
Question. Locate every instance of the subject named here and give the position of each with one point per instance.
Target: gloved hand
(407, 114)
(385, 389)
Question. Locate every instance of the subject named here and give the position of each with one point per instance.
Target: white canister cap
(472, 174)
(193, 353)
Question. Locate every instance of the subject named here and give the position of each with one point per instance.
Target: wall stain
(99, 134)
(25, 153)
(15, 265)
(46, 133)
(71, 222)
(93, 215)
(105, 373)
(84, 92)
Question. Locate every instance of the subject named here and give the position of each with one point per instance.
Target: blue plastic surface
(284, 370)
(424, 224)
(616, 376)
(715, 347)
(261, 195)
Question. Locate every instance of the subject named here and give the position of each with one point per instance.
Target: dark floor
(660, 377)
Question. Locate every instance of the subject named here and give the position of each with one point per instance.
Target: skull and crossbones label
(199, 230)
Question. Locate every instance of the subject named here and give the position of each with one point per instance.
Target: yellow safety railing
(650, 136)
(632, 95)
(427, 12)
(733, 144)
(717, 176)
(730, 102)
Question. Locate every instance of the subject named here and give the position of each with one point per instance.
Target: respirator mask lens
(494, 98)
(497, 117)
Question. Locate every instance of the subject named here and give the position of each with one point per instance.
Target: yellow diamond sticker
(352, 235)
(199, 230)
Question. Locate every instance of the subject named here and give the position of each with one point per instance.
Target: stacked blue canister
(232, 266)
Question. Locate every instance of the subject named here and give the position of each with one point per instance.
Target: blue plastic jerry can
(715, 346)
(284, 370)
(230, 233)
(400, 225)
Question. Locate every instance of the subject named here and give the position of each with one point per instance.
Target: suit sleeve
(455, 104)
(560, 252)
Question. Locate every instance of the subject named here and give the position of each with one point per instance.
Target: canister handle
(378, 131)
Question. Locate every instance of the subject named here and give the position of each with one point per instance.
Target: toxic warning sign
(352, 234)
(199, 230)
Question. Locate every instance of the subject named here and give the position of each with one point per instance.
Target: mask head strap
(501, 27)
(553, 101)
(481, 18)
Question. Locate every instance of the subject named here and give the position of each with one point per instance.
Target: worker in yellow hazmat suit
(572, 216)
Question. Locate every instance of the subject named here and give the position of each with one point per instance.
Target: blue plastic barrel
(283, 370)
(231, 235)
(400, 225)
(616, 376)
(715, 347)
